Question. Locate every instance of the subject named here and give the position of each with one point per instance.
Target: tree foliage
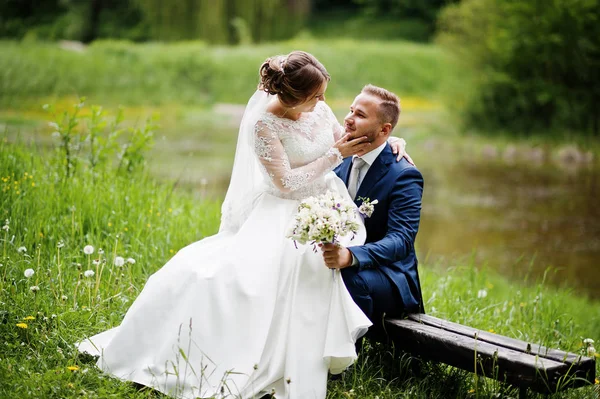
(215, 21)
(535, 65)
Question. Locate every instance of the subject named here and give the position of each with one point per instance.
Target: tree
(535, 64)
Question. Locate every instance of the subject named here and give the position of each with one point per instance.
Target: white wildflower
(89, 273)
(588, 341)
(45, 107)
(96, 262)
(591, 351)
(53, 125)
(119, 261)
(481, 294)
(100, 251)
(60, 244)
(131, 260)
(34, 288)
(64, 297)
(28, 273)
(88, 250)
(5, 227)
(21, 250)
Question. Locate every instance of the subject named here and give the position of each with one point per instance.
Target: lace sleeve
(274, 159)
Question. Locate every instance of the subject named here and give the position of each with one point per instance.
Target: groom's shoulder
(406, 170)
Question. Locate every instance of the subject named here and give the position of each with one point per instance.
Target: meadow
(84, 225)
(87, 216)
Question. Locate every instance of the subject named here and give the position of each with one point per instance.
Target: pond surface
(518, 211)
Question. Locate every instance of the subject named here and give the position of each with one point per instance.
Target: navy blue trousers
(374, 293)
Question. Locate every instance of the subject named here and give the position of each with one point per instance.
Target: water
(525, 221)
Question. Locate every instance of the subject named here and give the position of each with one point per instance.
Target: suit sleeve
(403, 224)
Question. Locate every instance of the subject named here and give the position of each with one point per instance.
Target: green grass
(51, 217)
(194, 73)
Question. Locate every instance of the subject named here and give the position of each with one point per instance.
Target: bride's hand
(398, 146)
(348, 147)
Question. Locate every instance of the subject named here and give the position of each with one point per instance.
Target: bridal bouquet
(323, 219)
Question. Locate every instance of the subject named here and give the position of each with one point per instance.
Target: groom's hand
(336, 256)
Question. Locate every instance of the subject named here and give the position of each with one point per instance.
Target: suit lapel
(376, 172)
(345, 170)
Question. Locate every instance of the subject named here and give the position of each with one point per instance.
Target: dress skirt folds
(239, 315)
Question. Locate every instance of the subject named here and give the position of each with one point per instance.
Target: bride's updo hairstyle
(294, 78)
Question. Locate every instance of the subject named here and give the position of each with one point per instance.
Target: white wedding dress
(245, 312)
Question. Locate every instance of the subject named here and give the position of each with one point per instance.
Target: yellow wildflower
(70, 385)
(170, 210)
(471, 390)
(32, 184)
(157, 213)
(148, 225)
(126, 229)
(22, 325)
(492, 331)
(73, 368)
(109, 224)
(29, 318)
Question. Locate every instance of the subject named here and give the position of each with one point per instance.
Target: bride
(245, 313)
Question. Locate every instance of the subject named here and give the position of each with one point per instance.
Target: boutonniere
(367, 207)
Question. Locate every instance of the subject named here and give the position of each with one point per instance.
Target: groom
(381, 275)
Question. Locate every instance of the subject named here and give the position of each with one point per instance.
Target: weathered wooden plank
(485, 358)
(507, 342)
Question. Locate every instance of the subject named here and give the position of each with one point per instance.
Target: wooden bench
(521, 364)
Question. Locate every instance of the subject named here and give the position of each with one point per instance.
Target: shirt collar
(372, 155)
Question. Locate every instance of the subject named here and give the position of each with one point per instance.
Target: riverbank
(54, 291)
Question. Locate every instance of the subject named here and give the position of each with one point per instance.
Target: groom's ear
(386, 129)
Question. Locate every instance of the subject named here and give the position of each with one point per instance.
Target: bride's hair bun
(294, 78)
(272, 75)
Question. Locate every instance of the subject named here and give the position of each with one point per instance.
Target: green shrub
(532, 65)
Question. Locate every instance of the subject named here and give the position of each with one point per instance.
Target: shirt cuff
(354, 260)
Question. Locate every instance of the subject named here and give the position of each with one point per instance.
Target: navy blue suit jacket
(392, 229)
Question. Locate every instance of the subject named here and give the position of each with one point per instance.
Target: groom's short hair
(389, 108)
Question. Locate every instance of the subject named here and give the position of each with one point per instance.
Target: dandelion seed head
(131, 261)
(481, 294)
(588, 341)
(119, 261)
(96, 262)
(88, 250)
(21, 250)
(34, 288)
(64, 297)
(100, 251)
(60, 244)
(89, 273)
(28, 273)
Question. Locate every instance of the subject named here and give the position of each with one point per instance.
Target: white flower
(60, 244)
(131, 260)
(28, 273)
(64, 297)
(100, 251)
(53, 125)
(89, 273)
(119, 261)
(588, 341)
(5, 227)
(591, 351)
(481, 294)
(96, 262)
(88, 250)
(34, 288)
(21, 250)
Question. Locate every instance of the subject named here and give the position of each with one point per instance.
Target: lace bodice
(295, 155)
